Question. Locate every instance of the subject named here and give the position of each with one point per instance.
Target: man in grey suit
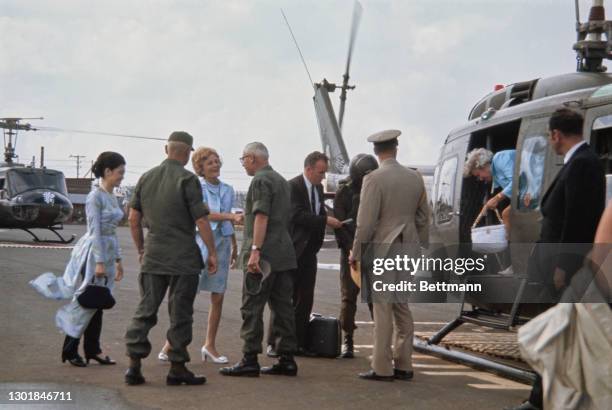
(393, 209)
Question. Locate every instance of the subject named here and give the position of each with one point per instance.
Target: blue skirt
(217, 282)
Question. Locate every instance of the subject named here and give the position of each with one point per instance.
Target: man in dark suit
(308, 223)
(572, 205)
(571, 208)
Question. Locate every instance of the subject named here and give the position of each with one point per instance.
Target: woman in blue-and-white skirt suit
(219, 197)
(95, 258)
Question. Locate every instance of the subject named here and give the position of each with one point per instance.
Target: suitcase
(324, 336)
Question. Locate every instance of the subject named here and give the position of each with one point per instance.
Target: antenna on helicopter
(311, 83)
(11, 126)
(357, 10)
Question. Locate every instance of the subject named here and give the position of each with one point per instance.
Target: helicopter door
(532, 172)
(446, 191)
(598, 131)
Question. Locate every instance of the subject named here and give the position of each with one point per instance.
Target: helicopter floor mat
(501, 345)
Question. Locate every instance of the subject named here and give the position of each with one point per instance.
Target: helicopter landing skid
(60, 239)
(482, 318)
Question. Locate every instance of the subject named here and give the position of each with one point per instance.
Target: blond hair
(477, 158)
(199, 156)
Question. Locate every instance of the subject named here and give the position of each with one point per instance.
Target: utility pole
(78, 162)
(89, 171)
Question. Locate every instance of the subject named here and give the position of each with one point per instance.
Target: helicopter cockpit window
(533, 155)
(23, 180)
(445, 191)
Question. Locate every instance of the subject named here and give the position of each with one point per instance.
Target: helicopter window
(533, 156)
(20, 181)
(601, 141)
(445, 191)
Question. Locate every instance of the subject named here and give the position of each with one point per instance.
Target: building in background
(78, 188)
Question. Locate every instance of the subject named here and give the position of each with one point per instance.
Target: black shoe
(348, 350)
(246, 367)
(371, 375)
(286, 366)
(185, 377)
(526, 405)
(271, 352)
(303, 352)
(75, 361)
(403, 374)
(133, 376)
(102, 360)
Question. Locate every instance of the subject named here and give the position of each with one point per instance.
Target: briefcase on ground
(324, 336)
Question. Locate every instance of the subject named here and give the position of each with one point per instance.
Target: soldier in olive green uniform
(266, 241)
(169, 198)
(346, 205)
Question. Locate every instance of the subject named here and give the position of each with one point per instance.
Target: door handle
(454, 213)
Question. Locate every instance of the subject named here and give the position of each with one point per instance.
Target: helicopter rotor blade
(55, 129)
(357, 11)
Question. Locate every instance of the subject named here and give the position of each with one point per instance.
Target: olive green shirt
(170, 200)
(270, 194)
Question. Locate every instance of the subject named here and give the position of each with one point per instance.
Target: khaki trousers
(390, 317)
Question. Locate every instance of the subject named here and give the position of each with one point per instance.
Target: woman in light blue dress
(95, 258)
(219, 197)
(497, 168)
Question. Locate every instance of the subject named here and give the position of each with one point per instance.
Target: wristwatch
(255, 248)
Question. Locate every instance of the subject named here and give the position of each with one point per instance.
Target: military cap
(384, 136)
(181, 136)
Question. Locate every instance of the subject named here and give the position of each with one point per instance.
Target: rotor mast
(11, 127)
(591, 47)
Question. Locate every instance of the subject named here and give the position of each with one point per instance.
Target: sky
(228, 72)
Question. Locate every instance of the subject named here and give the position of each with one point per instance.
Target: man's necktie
(312, 200)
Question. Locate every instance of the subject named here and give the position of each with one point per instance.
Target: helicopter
(30, 197)
(37, 198)
(516, 117)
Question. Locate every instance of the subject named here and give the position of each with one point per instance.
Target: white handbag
(489, 239)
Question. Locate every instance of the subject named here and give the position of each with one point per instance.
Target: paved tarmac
(31, 345)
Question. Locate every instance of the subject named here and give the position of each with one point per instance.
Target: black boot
(348, 349)
(133, 376)
(286, 366)
(248, 367)
(179, 374)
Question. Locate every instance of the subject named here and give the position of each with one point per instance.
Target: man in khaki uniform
(393, 209)
(169, 199)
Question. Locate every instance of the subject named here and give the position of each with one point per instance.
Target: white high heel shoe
(218, 360)
(162, 356)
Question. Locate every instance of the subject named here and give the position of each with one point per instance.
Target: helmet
(360, 166)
